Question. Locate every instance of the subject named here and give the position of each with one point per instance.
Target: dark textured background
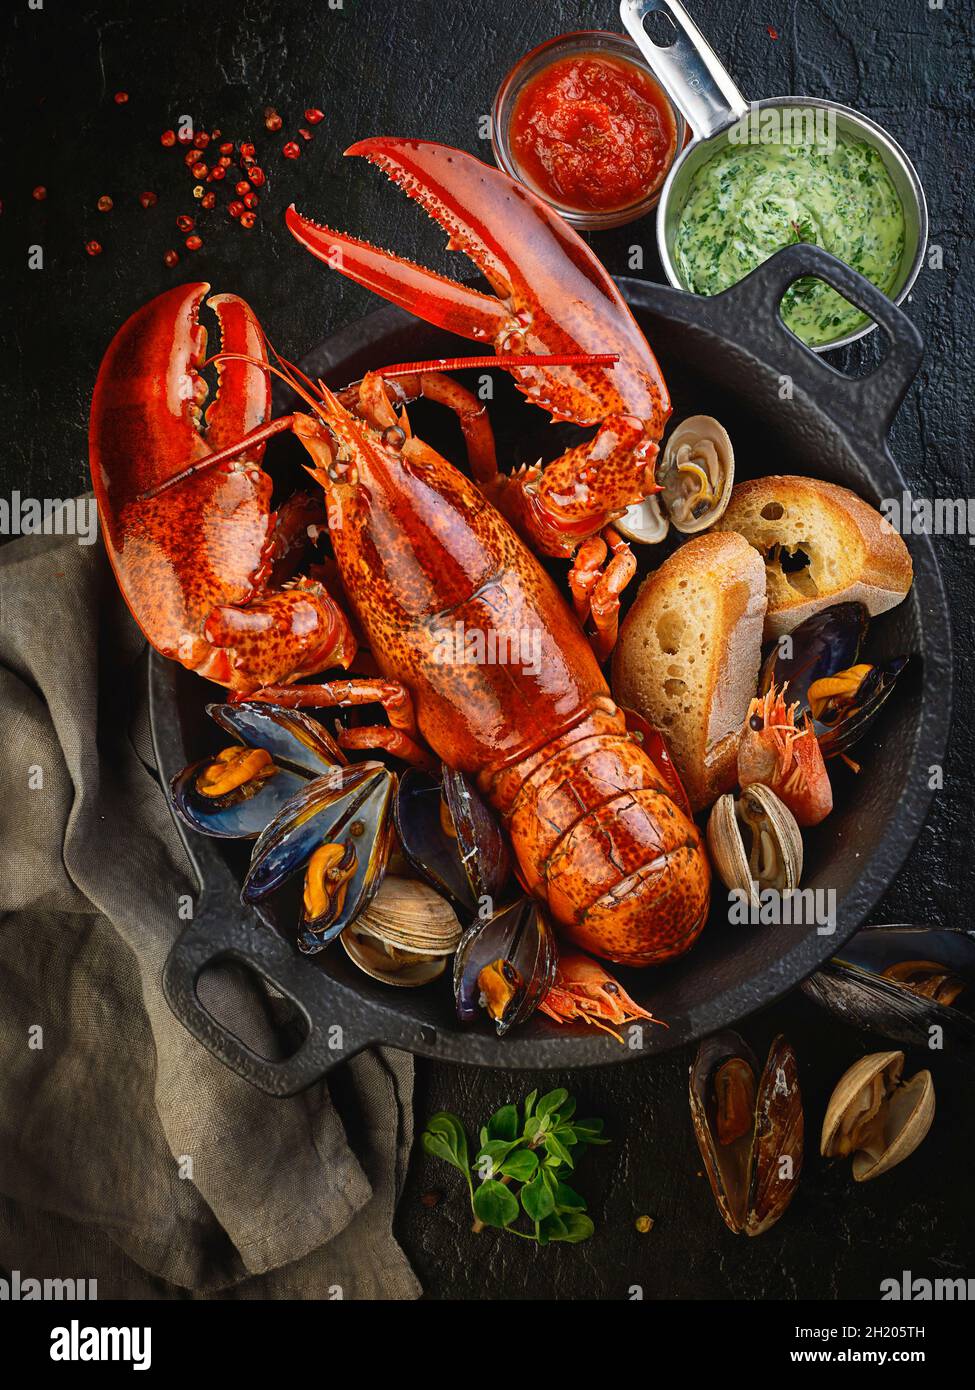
(418, 68)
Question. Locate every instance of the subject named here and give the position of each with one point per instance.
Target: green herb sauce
(750, 200)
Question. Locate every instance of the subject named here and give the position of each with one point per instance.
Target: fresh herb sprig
(522, 1165)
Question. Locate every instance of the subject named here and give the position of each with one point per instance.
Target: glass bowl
(583, 41)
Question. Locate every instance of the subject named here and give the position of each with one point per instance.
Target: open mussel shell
(644, 523)
(755, 842)
(348, 810)
(823, 646)
(825, 643)
(453, 839)
(405, 935)
(915, 985)
(240, 814)
(749, 1129)
(298, 749)
(696, 473)
(505, 965)
(427, 839)
(871, 695)
(481, 843)
(293, 739)
(876, 1116)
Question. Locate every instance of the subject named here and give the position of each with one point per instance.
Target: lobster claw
(553, 295)
(150, 406)
(151, 416)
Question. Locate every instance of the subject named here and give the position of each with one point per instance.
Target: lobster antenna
(507, 364)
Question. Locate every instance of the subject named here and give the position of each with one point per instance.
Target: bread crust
(856, 554)
(689, 653)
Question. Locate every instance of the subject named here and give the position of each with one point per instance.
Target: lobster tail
(599, 838)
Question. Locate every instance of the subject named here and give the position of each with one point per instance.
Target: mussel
(405, 935)
(876, 1116)
(505, 965)
(453, 838)
(910, 983)
(820, 664)
(749, 1129)
(235, 793)
(322, 857)
(755, 842)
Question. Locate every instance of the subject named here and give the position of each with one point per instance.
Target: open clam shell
(749, 1129)
(348, 810)
(876, 1116)
(904, 982)
(755, 842)
(505, 965)
(696, 473)
(298, 749)
(405, 935)
(644, 523)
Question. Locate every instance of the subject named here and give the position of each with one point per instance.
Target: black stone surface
(431, 70)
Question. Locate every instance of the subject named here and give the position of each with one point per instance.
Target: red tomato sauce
(593, 132)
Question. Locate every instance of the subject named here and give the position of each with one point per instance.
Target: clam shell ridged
(774, 858)
(405, 935)
(876, 1116)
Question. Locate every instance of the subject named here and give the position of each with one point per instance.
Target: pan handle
(749, 312)
(687, 68)
(240, 936)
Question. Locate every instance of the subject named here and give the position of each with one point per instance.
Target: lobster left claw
(553, 297)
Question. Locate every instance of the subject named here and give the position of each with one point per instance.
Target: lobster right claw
(553, 296)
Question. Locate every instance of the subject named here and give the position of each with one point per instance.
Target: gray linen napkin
(127, 1152)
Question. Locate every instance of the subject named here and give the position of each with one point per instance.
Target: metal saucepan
(691, 74)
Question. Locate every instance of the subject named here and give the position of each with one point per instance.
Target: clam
(696, 474)
(505, 965)
(452, 838)
(910, 983)
(405, 935)
(644, 523)
(877, 1116)
(755, 842)
(236, 792)
(318, 863)
(749, 1129)
(820, 663)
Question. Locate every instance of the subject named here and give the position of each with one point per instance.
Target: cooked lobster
(422, 550)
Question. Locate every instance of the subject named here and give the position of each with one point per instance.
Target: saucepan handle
(239, 936)
(750, 313)
(687, 67)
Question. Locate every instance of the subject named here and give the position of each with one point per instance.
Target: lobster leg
(553, 296)
(596, 586)
(400, 738)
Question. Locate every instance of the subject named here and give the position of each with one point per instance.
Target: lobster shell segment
(150, 418)
(555, 296)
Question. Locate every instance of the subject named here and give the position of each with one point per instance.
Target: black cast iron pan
(787, 411)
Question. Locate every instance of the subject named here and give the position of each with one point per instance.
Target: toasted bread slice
(854, 554)
(688, 656)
